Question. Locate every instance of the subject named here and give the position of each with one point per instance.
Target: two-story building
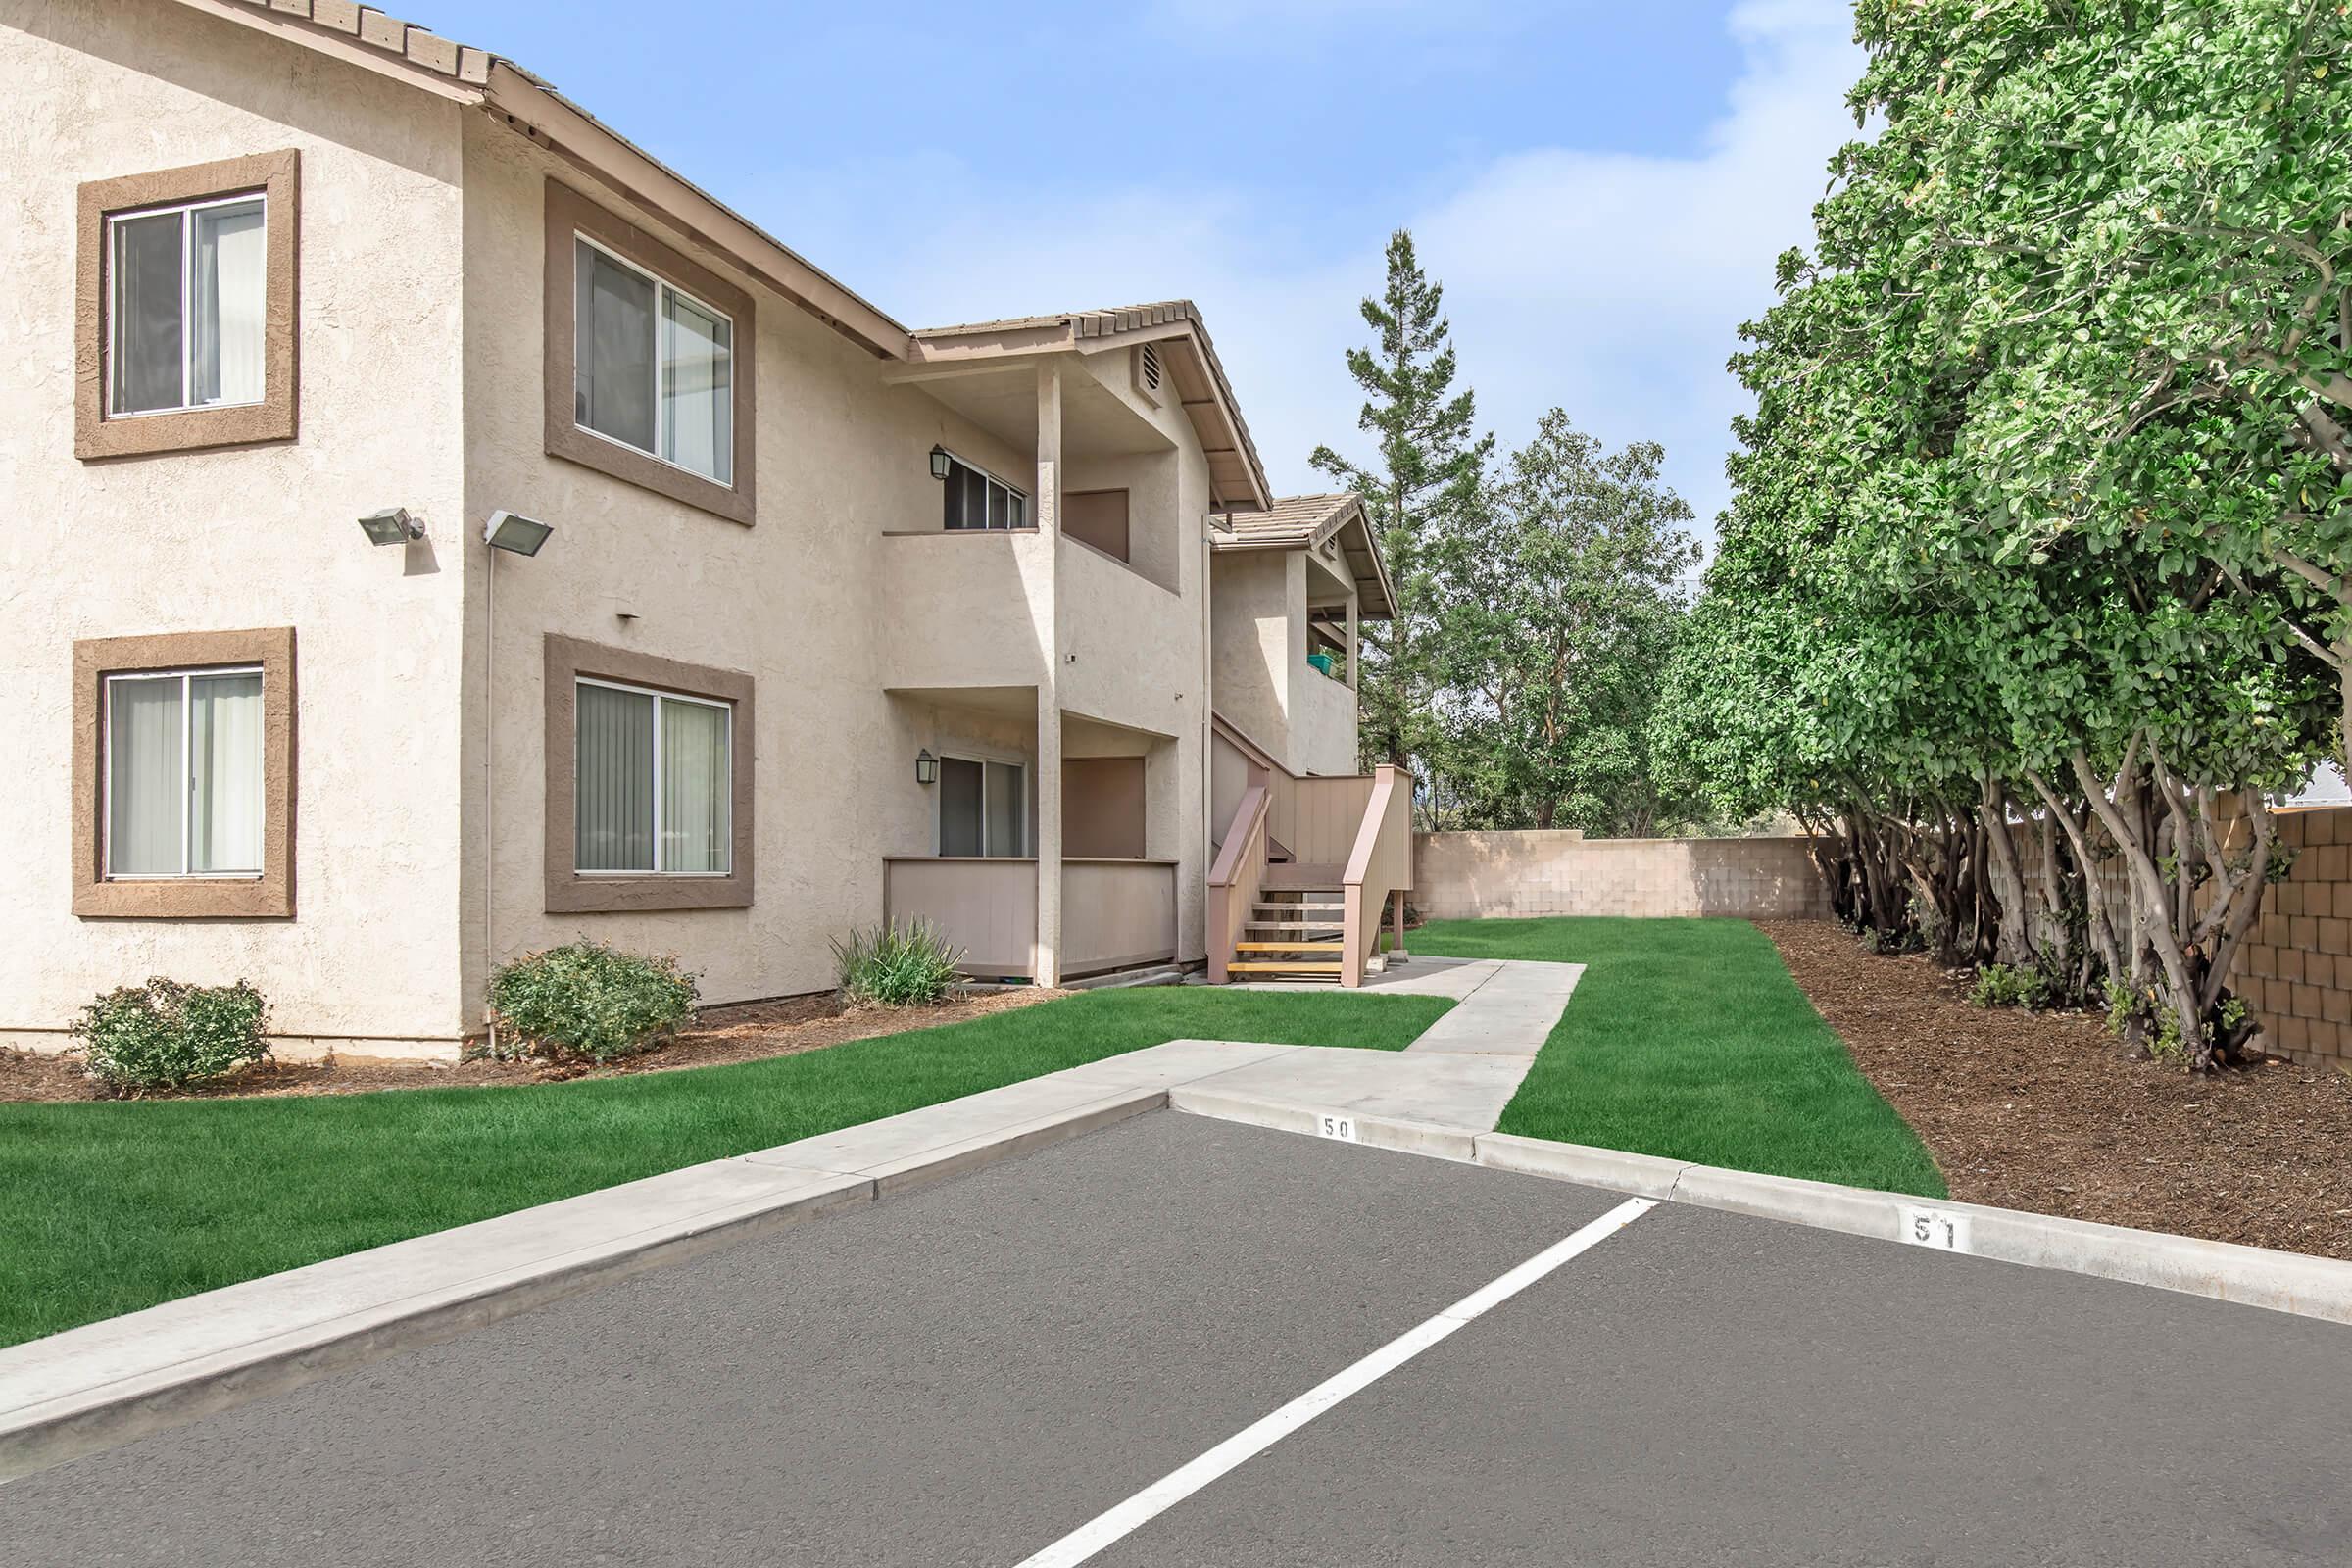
(439, 530)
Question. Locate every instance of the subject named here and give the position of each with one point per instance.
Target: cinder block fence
(1468, 876)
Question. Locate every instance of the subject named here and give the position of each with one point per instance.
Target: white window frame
(1021, 815)
(1028, 512)
(187, 768)
(660, 697)
(187, 337)
(661, 408)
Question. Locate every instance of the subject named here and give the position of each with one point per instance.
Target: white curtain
(145, 789)
(1005, 817)
(697, 794)
(697, 403)
(613, 802)
(225, 738)
(226, 297)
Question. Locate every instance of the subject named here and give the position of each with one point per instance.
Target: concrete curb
(2250, 1275)
(107, 1383)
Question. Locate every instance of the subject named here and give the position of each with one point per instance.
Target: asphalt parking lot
(971, 1372)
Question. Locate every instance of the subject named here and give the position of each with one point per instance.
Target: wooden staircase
(1296, 928)
(1308, 875)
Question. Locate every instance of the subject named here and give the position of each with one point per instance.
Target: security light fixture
(939, 462)
(514, 533)
(926, 767)
(391, 527)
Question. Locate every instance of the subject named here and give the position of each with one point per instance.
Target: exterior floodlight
(516, 534)
(939, 462)
(926, 767)
(391, 527)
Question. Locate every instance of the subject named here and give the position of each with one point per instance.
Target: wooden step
(1294, 925)
(1290, 946)
(1322, 878)
(1283, 968)
(1280, 908)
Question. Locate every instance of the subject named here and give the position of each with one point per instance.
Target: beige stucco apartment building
(828, 621)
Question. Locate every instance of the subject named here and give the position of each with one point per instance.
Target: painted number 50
(1341, 1127)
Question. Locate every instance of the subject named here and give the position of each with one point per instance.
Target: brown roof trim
(1307, 523)
(528, 105)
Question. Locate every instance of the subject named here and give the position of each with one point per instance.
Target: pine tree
(1428, 474)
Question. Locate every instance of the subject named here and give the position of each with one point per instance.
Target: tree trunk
(2012, 945)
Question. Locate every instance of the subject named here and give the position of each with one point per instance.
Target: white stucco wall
(260, 537)
(1260, 632)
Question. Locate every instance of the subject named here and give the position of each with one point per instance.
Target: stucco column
(1049, 681)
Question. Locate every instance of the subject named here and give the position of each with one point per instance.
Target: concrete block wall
(2296, 970)
(1468, 876)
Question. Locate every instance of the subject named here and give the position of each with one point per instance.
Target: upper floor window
(652, 365)
(978, 500)
(186, 309)
(187, 292)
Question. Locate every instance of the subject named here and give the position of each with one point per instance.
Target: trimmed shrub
(588, 999)
(897, 965)
(163, 1035)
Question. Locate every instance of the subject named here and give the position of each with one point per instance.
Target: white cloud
(1609, 284)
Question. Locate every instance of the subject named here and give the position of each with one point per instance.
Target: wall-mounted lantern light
(391, 527)
(926, 767)
(514, 533)
(939, 462)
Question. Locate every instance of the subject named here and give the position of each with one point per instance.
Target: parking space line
(1179, 1484)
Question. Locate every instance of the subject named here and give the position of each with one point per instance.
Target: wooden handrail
(1379, 864)
(1232, 882)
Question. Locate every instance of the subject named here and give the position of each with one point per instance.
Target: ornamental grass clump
(588, 999)
(895, 965)
(167, 1035)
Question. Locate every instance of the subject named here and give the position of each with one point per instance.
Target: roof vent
(1147, 373)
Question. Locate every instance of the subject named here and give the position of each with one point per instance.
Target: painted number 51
(1937, 1228)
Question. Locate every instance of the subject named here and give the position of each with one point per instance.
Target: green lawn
(1689, 1039)
(115, 1207)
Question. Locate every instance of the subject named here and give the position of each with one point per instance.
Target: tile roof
(1291, 519)
(1111, 321)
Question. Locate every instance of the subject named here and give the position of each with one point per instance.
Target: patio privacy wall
(1468, 876)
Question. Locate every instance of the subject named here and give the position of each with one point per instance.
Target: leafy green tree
(1425, 476)
(1556, 608)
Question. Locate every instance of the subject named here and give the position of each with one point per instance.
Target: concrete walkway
(1460, 1074)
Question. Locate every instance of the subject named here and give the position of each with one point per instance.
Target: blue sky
(1600, 186)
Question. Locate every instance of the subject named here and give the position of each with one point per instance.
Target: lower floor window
(184, 792)
(982, 807)
(656, 782)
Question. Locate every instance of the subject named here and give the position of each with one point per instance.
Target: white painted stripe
(1179, 1484)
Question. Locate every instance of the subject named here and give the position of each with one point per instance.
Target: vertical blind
(655, 788)
(184, 775)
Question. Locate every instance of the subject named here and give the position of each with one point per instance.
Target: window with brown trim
(650, 361)
(185, 308)
(648, 782)
(184, 776)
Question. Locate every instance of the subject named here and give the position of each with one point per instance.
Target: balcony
(966, 608)
(1116, 914)
(1322, 722)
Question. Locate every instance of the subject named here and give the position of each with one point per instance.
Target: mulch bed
(745, 1033)
(2044, 1112)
